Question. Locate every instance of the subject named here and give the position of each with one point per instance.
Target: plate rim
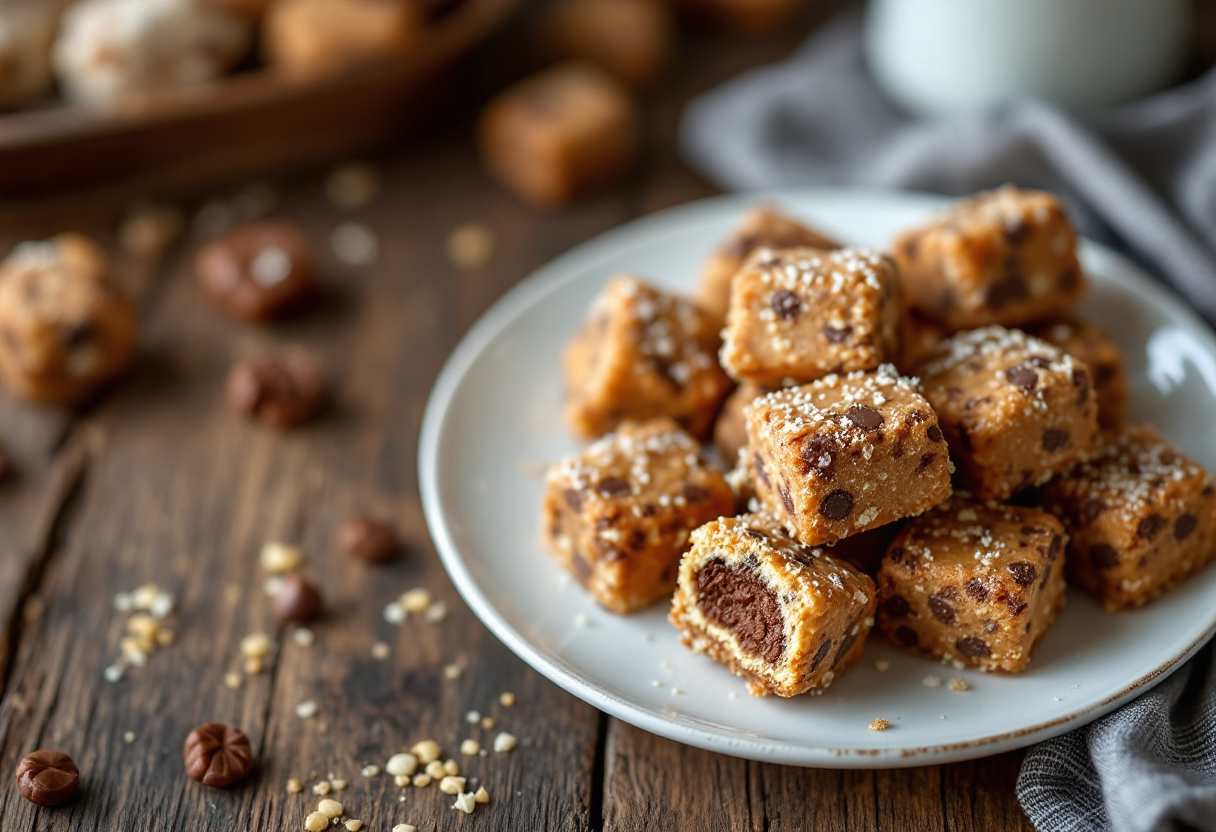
(552, 275)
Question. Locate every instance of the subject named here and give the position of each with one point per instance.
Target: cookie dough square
(618, 515)
(787, 618)
(973, 582)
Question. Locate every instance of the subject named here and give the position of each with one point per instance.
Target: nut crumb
(352, 185)
(504, 742)
(958, 684)
(380, 651)
(394, 613)
(405, 827)
(507, 699)
(452, 785)
(415, 600)
(402, 764)
(316, 822)
(354, 825)
(470, 748)
(472, 717)
(470, 245)
(402, 780)
(488, 722)
(355, 244)
(304, 637)
(879, 724)
(128, 737)
(453, 671)
(422, 780)
(482, 796)
(932, 681)
(882, 665)
(370, 771)
(436, 612)
(466, 803)
(331, 808)
(307, 709)
(321, 789)
(435, 769)
(338, 785)
(294, 786)
(427, 751)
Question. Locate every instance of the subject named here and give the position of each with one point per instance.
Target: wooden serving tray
(251, 122)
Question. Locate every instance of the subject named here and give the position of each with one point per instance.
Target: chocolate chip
(1016, 230)
(375, 541)
(1015, 605)
(1090, 509)
(934, 433)
(761, 474)
(736, 599)
(743, 245)
(821, 653)
(1024, 574)
(611, 487)
(1011, 289)
(1184, 525)
(817, 454)
(1046, 575)
(1081, 381)
(865, 417)
(976, 589)
(837, 505)
(973, 647)
(1150, 526)
(941, 610)
(258, 271)
(694, 493)
(909, 247)
(297, 600)
(786, 500)
(786, 304)
(846, 643)
(925, 461)
(217, 755)
(282, 389)
(907, 636)
(1070, 278)
(1022, 376)
(895, 607)
(1103, 556)
(1054, 439)
(1053, 550)
(47, 777)
(837, 335)
(582, 567)
(755, 533)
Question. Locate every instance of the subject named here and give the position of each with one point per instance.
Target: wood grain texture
(175, 489)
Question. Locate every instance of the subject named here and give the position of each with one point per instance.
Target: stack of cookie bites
(942, 502)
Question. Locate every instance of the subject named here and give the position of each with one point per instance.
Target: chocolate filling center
(734, 598)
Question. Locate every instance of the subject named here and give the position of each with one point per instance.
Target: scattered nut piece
(436, 612)
(451, 785)
(504, 742)
(958, 684)
(370, 540)
(451, 768)
(380, 651)
(316, 822)
(149, 230)
(416, 600)
(427, 751)
(114, 673)
(298, 600)
(321, 789)
(370, 771)
(465, 803)
(253, 665)
(402, 763)
(279, 558)
(507, 700)
(294, 786)
(402, 780)
(232, 680)
(338, 785)
(932, 681)
(453, 671)
(470, 748)
(422, 780)
(882, 665)
(128, 737)
(331, 808)
(405, 827)
(304, 637)
(307, 709)
(488, 723)
(470, 245)
(435, 769)
(355, 244)
(352, 185)
(354, 825)
(256, 645)
(394, 613)
(472, 717)
(482, 796)
(879, 724)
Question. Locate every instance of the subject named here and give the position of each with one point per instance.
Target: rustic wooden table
(162, 483)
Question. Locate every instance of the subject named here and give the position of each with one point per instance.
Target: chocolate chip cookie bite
(787, 618)
(1141, 518)
(66, 329)
(974, 583)
(1015, 410)
(846, 453)
(1006, 257)
(617, 516)
(800, 314)
(763, 227)
(643, 354)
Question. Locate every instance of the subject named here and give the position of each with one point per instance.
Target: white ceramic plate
(494, 421)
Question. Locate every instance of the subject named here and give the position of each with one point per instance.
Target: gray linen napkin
(1143, 177)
